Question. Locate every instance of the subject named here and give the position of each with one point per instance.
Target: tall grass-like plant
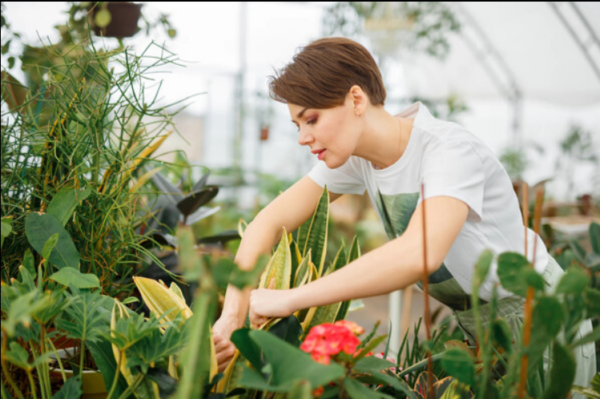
(71, 156)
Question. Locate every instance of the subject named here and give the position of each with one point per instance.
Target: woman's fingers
(225, 351)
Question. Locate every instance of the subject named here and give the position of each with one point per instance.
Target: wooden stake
(528, 306)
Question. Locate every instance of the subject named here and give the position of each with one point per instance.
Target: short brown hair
(323, 72)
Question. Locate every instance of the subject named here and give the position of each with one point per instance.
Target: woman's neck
(384, 137)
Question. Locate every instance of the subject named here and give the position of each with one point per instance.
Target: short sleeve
(346, 179)
(454, 169)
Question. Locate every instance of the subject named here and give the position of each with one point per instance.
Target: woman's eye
(311, 122)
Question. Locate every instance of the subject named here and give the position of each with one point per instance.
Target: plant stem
(116, 379)
(132, 387)
(32, 384)
(7, 375)
(420, 365)
(62, 369)
(426, 299)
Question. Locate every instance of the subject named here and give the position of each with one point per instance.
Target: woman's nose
(305, 138)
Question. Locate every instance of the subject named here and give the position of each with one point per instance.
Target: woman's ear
(359, 100)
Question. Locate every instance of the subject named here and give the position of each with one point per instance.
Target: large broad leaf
(288, 329)
(70, 390)
(460, 364)
(40, 227)
(166, 187)
(574, 281)
(191, 203)
(547, 320)
(316, 239)
(372, 364)
(6, 229)
(65, 201)
(356, 390)
(85, 319)
(69, 276)
(510, 271)
(103, 357)
(562, 372)
(279, 270)
(201, 183)
(247, 347)
(290, 364)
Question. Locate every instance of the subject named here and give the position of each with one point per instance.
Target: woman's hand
(266, 304)
(224, 348)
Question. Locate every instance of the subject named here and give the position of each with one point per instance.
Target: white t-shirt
(450, 161)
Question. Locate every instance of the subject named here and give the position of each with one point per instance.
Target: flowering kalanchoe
(326, 340)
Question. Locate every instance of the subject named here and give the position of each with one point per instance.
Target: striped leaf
(278, 273)
(316, 239)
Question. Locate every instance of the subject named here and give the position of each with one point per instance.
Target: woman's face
(330, 133)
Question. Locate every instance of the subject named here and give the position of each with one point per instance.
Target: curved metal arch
(592, 41)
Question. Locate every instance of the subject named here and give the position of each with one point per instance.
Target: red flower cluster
(326, 340)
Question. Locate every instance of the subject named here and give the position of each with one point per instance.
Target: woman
(335, 95)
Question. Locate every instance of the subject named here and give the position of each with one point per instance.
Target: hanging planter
(116, 19)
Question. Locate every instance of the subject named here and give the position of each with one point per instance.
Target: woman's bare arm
(289, 210)
(392, 266)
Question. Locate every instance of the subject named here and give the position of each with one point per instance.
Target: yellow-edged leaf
(142, 180)
(277, 274)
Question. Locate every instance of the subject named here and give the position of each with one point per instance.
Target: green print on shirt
(396, 211)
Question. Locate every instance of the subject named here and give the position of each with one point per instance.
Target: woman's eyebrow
(300, 115)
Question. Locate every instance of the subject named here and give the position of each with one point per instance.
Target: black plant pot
(124, 20)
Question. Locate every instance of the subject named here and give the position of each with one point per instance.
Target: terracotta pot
(264, 133)
(124, 19)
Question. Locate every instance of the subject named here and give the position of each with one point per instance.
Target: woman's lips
(321, 154)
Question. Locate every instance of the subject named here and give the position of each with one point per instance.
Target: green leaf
(103, 356)
(592, 301)
(65, 201)
(482, 268)
(562, 372)
(595, 237)
(510, 268)
(301, 390)
(287, 362)
(253, 379)
(459, 364)
(547, 321)
(372, 344)
(354, 251)
(28, 262)
(288, 329)
(356, 390)
(11, 62)
(69, 276)
(502, 334)
(39, 228)
(6, 228)
(398, 383)
(18, 356)
(247, 347)
(70, 390)
(316, 239)
(574, 281)
(195, 361)
(242, 278)
(533, 279)
(594, 336)
(589, 393)
(85, 319)
(49, 246)
(155, 347)
(279, 270)
(372, 364)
